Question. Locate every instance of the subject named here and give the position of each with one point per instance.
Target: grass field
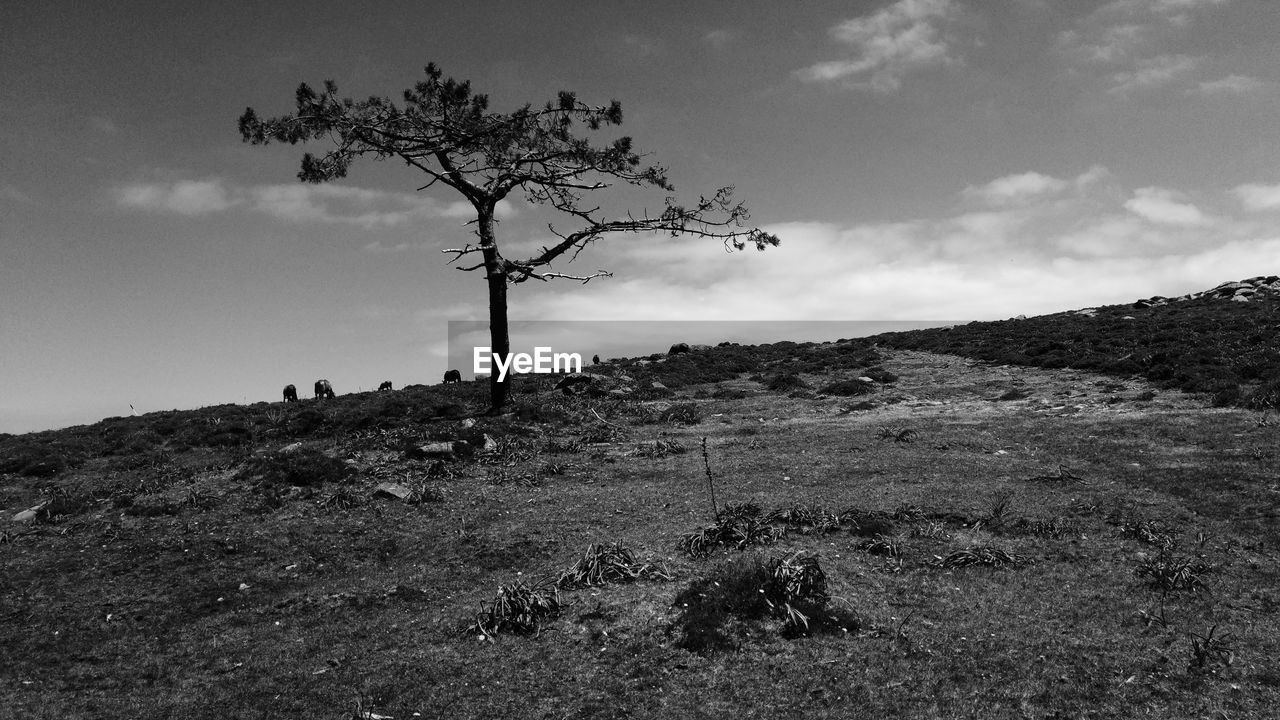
(956, 539)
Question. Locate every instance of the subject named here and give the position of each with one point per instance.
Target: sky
(922, 160)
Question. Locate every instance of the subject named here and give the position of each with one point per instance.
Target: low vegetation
(975, 541)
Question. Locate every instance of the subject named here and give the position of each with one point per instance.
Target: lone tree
(449, 133)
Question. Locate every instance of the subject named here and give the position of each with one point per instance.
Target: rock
(468, 423)
(436, 450)
(1128, 317)
(865, 379)
(658, 386)
(699, 348)
(394, 490)
(574, 383)
(291, 447)
(490, 445)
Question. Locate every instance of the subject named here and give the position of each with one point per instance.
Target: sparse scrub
(981, 555)
(304, 467)
(716, 611)
(896, 434)
(848, 388)
(518, 608)
(604, 564)
(1168, 572)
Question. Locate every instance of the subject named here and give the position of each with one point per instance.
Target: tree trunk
(499, 336)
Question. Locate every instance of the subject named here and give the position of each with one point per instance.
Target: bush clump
(716, 608)
(304, 467)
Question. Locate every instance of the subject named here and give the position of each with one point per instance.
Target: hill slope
(958, 539)
(1204, 342)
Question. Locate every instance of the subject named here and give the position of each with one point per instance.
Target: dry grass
(192, 581)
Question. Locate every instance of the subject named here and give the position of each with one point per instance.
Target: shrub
(791, 589)
(604, 564)
(785, 382)
(304, 467)
(517, 608)
(680, 414)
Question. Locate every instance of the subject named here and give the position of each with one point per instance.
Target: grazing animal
(678, 348)
(323, 389)
(290, 393)
(595, 359)
(386, 385)
(452, 376)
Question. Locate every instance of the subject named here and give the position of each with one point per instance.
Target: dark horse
(290, 393)
(323, 389)
(452, 376)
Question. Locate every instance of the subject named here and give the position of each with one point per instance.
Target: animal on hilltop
(290, 393)
(595, 359)
(452, 376)
(323, 389)
(386, 385)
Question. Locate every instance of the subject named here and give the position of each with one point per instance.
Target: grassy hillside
(1228, 349)
(789, 531)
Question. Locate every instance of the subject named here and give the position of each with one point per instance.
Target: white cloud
(185, 197)
(1015, 189)
(1153, 72)
(1258, 197)
(1236, 84)
(297, 203)
(1166, 207)
(1080, 245)
(720, 38)
(887, 45)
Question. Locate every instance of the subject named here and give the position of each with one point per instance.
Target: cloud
(720, 38)
(184, 197)
(1015, 189)
(1079, 245)
(297, 203)
(887, 45)
(1258, 197)
(1153, 72)
(13, 193)
(1133, 37)
(1231, 84)
(1166, 207)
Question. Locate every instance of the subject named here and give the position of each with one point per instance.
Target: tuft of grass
(1208, 653)
(603, 564)
(896, 434)
(517, 608)
(881, 545)
(738, 525)
(304, 467)
(1168, 572)
(982, 555)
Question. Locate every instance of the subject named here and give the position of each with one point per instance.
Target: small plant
(896, 434)
(340, 499)
(518, 608)
(881, 545)
(1167, 572)
(999, 510)
(711, 481)
(1208, 653)
(738, 525)
(807, 520)
(981, 555)
(930, 530)
(680, 414)
(604, 564)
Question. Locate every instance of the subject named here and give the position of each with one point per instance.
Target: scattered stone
(468, 423)
(437, 450)
(394, 490)
(291, 447)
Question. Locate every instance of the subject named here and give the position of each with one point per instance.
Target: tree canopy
(449, 133)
